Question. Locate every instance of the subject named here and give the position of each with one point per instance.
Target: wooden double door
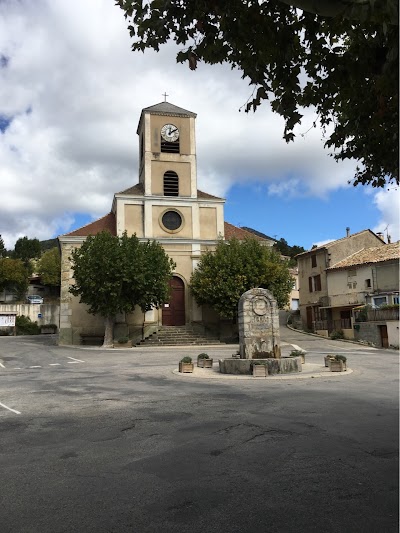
(173, 313)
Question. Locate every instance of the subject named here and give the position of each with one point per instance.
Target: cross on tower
(165, 96)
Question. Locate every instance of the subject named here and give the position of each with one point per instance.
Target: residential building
(313, 265)
(368, 277)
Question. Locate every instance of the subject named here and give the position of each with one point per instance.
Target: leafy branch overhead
(342, 62)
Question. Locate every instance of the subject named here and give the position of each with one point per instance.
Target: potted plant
(123, 342)
(337, 363)
(259, 369)
(204, 361)
(186, 365)
(327, 358)
(299, 353)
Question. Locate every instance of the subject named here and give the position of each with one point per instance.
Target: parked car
(34, 299)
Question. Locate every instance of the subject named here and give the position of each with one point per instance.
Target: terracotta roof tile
(205, 195)
(232, 231)
(106, 223)
(331, 243)
(377, 254)
(138, 190)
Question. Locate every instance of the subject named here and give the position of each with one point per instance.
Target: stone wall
(50, 313)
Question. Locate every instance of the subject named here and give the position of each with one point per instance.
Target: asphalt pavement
(108, 441)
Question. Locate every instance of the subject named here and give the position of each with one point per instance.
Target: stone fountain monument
(259, 336)
(258, 321)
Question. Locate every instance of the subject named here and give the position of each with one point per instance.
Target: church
(164, 205)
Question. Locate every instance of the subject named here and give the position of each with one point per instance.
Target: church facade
(164, 205)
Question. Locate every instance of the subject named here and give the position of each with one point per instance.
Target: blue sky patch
(4, 123)
(4, 60)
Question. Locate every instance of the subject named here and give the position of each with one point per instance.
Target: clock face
(170, 133)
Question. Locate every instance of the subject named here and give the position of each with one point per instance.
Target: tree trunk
(109, 332)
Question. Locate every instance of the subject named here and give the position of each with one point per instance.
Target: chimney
(380, 235)
(347, 232)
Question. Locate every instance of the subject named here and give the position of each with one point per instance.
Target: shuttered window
(171, 183)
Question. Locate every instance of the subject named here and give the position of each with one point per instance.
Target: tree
(27, 249)
(49, 267)
(235, 267)
(3, 251)
(115, 274)
(14, 276)
(338, 58)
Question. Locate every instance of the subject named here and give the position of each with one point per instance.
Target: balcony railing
(333, 325)
(376, 315)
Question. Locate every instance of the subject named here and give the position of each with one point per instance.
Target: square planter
(186, 367)
(327, 359)
(260, 371)
(204, 363)
(337, 366)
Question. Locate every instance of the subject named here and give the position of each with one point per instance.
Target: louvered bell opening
(172, 148)
(171, 184)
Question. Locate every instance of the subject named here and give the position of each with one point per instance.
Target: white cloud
(75, 91)
(388, 202)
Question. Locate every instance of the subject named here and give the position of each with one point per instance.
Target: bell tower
(167, 151)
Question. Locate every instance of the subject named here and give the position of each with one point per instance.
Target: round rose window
(172, 220)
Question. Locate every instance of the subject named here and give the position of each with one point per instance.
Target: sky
(71, 94)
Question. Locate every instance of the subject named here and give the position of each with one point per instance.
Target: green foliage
(49, 267)
(186, 359)
(203, 356)
(26, 249)
(235, 267)
(48, 244)
(362, 314)
(390, 306)
(3, 251)
(25, 326)
(123, 340)
(342, 63)
(256, 362)
(14, 276)
(337, 335)
(115, 274)
(280, 246)
(340, 357)
(296, 353)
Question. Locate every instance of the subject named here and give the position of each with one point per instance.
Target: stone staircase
(177, 335)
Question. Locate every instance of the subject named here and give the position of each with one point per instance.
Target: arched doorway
(173, 313)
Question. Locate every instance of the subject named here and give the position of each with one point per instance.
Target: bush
(186, 359)
(340, 357)
(123, 340)
(26, 327)
(337, 335)
(296, 353)
(203, 356)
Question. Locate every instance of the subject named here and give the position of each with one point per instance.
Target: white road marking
(2, 366)
(77, 360)
(72, 362)
(17, 368)
(10, 409)
(55, 364)
(35, 366)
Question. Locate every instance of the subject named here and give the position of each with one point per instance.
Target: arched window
(171, 183)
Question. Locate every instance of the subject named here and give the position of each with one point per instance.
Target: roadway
(112, 441)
